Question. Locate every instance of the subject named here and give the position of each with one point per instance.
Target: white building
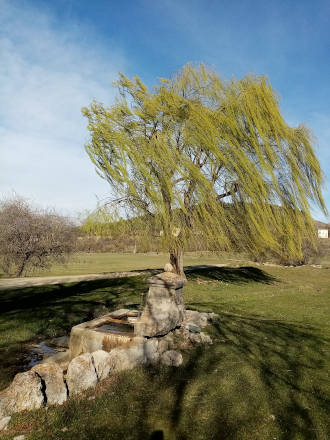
(323, 233)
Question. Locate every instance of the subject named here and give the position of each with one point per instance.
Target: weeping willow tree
(209, 160)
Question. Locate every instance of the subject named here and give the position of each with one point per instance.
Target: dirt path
(20, 283)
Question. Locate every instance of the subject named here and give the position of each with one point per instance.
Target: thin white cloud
(47, 73)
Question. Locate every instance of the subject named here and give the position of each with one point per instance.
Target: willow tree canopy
(208, 159)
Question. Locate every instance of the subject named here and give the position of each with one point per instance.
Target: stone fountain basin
(104, 333)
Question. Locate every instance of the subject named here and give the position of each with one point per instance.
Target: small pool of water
(37, 352)
(115, 327)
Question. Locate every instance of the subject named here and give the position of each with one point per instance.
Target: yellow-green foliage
(199, 157)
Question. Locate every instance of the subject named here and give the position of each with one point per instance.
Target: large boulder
(25, 392)
(164, 309)
(127, 358)
(162, 345)
(4, 423)
(151, 351)
(62, 359)
(101, 361)
(171, 358)
(193, 317)
(55, 389)
(81, 374)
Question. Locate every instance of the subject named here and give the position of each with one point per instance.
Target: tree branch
(229, 193)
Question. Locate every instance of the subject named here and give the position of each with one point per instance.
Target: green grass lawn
(86, 263)
(265, 377)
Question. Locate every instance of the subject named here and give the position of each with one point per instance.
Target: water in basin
(115, 327)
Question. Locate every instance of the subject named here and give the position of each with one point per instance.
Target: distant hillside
(321, 225)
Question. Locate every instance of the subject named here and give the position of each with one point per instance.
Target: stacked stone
(164, 328)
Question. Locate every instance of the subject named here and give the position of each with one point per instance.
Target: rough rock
(86, 337)
(193, 328)
(52, 375)
(62, 359)
(119, 313)
(171, 358)
(137, 340)
(62, 341)
(81, 374)
(101, 360)
(164, 309)
(4, 422)
(119, 360)
(162, 345)
(168, 267)
(126, 358)
(196, 318)
(169, 338)
(200, 338)
(151, 351)
(25, 392)
(182, 338)
(205, 338)
(213, 317)
(136, 354)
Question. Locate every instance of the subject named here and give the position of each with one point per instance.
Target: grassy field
(265, 377)
(86, 263)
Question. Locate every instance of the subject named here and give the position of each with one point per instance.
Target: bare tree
(32, 238)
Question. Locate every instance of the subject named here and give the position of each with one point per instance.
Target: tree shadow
(238, 275)
(51, 310)
(37, 313)
(157, 435)
(47, 295)
(260, 379)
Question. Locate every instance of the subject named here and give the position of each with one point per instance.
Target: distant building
(322, 229)
(323, 233)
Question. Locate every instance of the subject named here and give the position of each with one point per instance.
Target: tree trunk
(19, 273)
(21, 267)
(176, 259)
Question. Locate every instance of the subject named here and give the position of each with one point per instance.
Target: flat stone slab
(121, 313)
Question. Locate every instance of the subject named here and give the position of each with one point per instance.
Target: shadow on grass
(237, 275)
(48, 295)
(262, 379)
(33, 314)
(51, 310)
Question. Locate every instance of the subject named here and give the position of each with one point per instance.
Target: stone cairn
(163, 328)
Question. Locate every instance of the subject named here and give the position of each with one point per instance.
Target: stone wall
(163, 329)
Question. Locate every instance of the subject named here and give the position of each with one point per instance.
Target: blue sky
(56, 56)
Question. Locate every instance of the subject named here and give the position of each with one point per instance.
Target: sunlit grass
(89, 263)
(265, 377)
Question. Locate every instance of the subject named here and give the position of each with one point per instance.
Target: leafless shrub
(310, 254)
(32, 238)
